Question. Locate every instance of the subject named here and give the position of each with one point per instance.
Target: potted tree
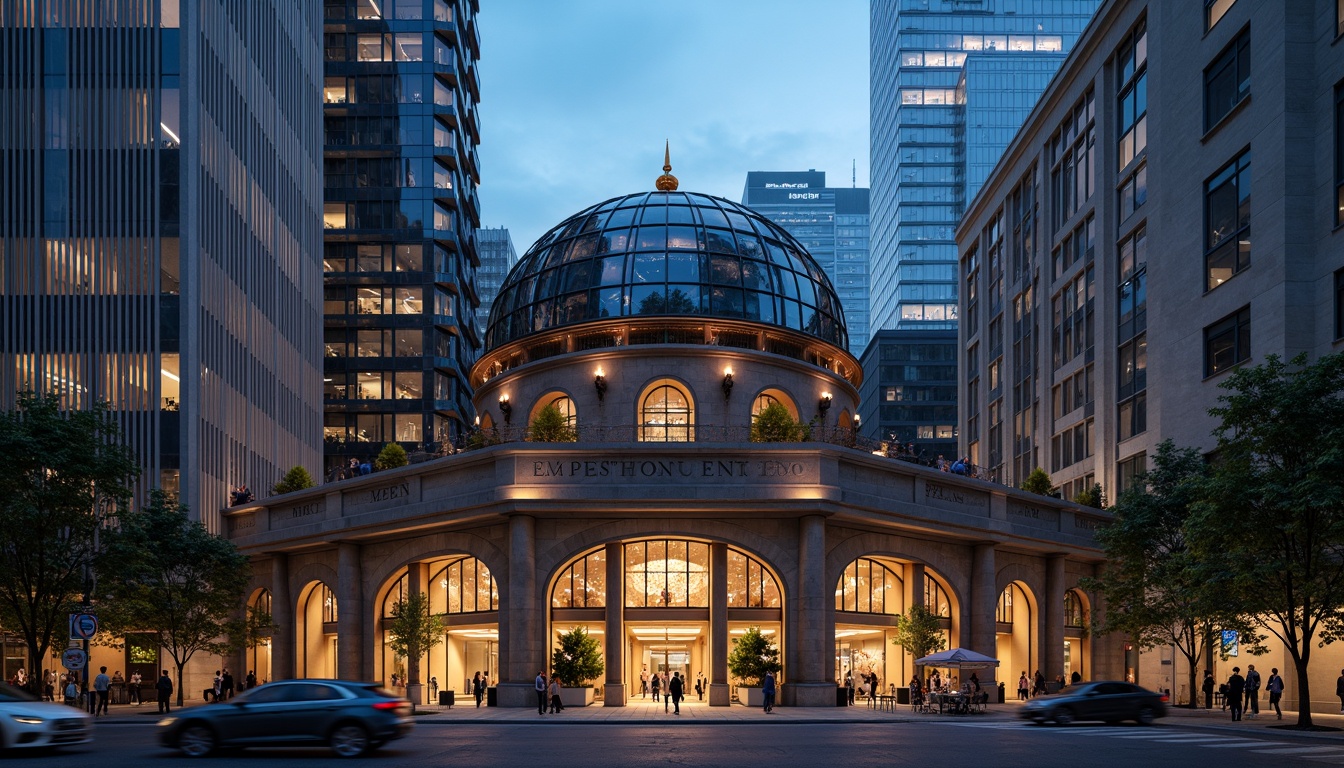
(413, 633)
(577, 661)
(775, 424)
(752, 656)
(919, 632)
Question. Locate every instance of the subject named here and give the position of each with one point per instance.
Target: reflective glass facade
(832, 223)
(909, 391)
(949, 80)
(401, 211)
(159, 229)
(666, 253)
(497, 258)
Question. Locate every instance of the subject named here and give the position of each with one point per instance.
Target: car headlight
(167, 721)
(28, 719)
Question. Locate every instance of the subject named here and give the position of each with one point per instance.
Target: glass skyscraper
(951, 80)
(832, 222)
(160, 198)
(400, 218)
(497, 258)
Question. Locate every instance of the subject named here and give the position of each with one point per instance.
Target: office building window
(1133, 416)
(1128, 471)
(1132, 294)
(1227, 222)
(1339, 304)
(1071, 446)
(1227, 80)
(1214, 11)
(1132, 98)
(1339, 17)
(1227, 342)
(1339, 152)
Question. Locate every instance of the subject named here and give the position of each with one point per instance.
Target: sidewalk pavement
(646, 711)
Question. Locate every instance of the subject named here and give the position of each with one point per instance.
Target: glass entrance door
(670, 659)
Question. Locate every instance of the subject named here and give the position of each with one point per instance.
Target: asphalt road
(918, 743)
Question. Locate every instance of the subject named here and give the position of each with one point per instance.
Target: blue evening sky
(577, 97)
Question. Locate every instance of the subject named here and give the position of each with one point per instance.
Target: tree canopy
(550, 426)
(414, 630)
(61, 471)
(578, 659)
(752, 656)
(175, 580)
(390, 457)
(919, 632)
(296, 479)
(1038, 482)
(774, 424)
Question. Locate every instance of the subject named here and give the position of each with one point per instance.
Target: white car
(26, 721)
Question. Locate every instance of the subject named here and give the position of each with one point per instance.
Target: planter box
(752, 697)
(577, 697)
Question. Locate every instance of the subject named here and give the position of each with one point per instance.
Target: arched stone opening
(1016, 634)
(257, 653)
(1077, 642)
(316, 641)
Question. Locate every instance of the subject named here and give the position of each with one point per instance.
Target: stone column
(813, 642)
(351, 614)
(614, 692)
(720, 692)
(1052, 658)
(521, 658)
(282, 613)
(984, 607)
(417, 583)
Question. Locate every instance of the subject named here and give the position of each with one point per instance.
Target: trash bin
(842, 697)
(492, 696)
(446, 698)
(903, 695)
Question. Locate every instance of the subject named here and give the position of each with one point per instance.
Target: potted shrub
(550, 427)
(775, 424)
(752, 656)
(577, 661)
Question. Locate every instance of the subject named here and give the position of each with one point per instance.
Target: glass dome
(666, 254)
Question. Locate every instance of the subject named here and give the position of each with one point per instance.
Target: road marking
(1296, 750)
(1243, 743)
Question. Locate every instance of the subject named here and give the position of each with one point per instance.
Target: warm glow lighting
(600, 372)
(728, 371)
(169, 131)
(174, 377)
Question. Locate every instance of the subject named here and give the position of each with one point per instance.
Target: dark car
(1107, 701)
(351, 718)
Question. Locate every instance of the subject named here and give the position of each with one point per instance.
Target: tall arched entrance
(667, 622)
(1015, 633)
(315, 644)
(259, 631)
(1077, 650)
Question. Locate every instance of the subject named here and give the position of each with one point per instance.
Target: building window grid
(1132, 95)
(1339, 151)
(1074, 615)
(1072, 309)
(1128, 471)
(1073, 393)
(935, 597)
(868, 586)
(583, 583)
(1072, 446)
(468, 587)
(1073, 162)
(1227, 342)
(1227, 221)
(1339, 304)
(1227, 81)
(1077, 246)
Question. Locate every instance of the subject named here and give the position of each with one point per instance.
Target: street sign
(74, 659)
(83, 626)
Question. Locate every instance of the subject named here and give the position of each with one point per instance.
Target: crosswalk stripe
(1242, 743)
(1297, 750)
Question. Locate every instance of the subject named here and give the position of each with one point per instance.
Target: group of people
(223, 688)
(962, 466)
(1242, 694)
(660, 684)
(867, 685)
(240, 495)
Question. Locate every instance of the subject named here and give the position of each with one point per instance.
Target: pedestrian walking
(1275, 688)
(215, 687)
(540, 686)
(71, 692)
(101, 685)
(1252, 692)
(1023, 687)
(1207, 687)
(226, 684)
(478, 689)
(1339, 689)
(768, 690)
(49, 685)
(251, 679)
(667, 691)
(556, 706)
(164, 688)
(700, 685)
(674, 689)
(133, 688)
(644, 684)
(849, 688)
(1236, 686)
(1038, 684)
(656, 683)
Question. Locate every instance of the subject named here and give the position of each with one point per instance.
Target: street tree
(1153, 587)
(920, 632)
(414, 631)
(176, 581)
(1270, 526)
(752, 656)
(60, 471)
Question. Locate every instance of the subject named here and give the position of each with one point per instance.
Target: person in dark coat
(226, 685)
(675, 689)
(1207, 687)
(165, 690)
(1236, 685)
(657, 684)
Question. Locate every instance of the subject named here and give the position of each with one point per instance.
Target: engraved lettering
(397, 491)
(942, 493)
(307, 510)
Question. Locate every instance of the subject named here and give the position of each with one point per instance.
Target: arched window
(665, 573)
(868, 586)
(935, 597)
(770, 397)
(396, 594)
(329, 613)
(1010, 598)
(750, 584)
(583, 584)
(1074, 615)
(666, 414)
(563, 403)
(464, 585)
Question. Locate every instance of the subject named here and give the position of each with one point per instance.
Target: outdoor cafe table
(952, 703)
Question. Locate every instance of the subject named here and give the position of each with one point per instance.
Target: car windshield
(10, 693)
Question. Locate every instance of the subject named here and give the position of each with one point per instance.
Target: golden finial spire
(667, 182)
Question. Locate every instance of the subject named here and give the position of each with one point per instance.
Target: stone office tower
(160, 197)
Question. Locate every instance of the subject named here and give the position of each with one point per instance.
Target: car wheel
(1063, 716)
(196, 740)
(1146, 716)
(349, 740)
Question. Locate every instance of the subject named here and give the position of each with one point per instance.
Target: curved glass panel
(935, 596)
(689, 254)
(666, 415)
(666, 573)
(750, 584)
(583, 583)
(868, 586)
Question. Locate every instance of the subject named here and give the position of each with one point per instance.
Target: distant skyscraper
(832, 222)
(497, 258)
(401, 212)
(950, 81)
(159, 229)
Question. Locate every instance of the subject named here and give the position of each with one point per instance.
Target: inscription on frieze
(246, 522)
(943, 493)
(730, 470)
(955, 499)
(1085, 523)
(1024, 513)
(389, 492)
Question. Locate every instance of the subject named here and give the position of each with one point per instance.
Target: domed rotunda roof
(666, 253)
